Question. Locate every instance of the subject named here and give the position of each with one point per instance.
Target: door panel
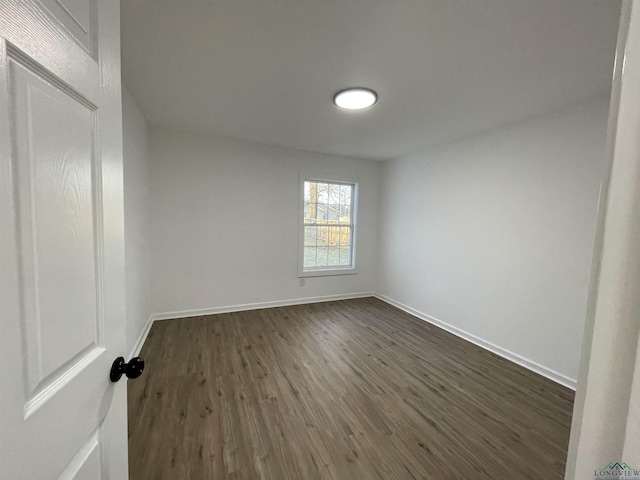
(79, 18)
(87, 463)
(61, 241)
(55, 167)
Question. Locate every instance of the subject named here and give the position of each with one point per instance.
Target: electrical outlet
(303, 282)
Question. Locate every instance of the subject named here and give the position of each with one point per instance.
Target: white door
(61, 241)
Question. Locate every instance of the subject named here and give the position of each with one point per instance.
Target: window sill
(328, 272)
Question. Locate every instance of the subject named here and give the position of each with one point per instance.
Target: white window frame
(330, 270)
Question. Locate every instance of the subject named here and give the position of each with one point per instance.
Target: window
(328, 228)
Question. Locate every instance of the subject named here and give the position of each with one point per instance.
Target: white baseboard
(256, 306)
(514, 357)
(509, 355)
(135, 351)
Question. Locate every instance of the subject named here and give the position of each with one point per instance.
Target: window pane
(310, 212)
(345, 214)
(334, 236)
(322, 193)
(310, 236)
(307, 192)
(321, 257)
(345, 256)
(309, 256)
(334, 256)
(333, 213)
(334, 194)
(345, 194)
(323, 236)
(310, 200)
(345, 236)
(322, 213)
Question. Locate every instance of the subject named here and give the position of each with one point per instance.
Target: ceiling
(266, 70)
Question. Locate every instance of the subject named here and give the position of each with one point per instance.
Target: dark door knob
(133, 369)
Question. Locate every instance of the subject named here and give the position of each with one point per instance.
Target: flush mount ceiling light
(355, 98)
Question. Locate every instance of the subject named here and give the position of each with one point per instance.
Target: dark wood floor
(345, 390)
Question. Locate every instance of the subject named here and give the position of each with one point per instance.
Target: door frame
(607, 402)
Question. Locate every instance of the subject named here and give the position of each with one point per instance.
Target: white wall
(137, 219)
(494, 235)
(225, 222)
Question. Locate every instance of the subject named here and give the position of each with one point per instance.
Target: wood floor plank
(354, 389)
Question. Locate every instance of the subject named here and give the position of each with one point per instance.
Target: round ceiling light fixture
(355, 98)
